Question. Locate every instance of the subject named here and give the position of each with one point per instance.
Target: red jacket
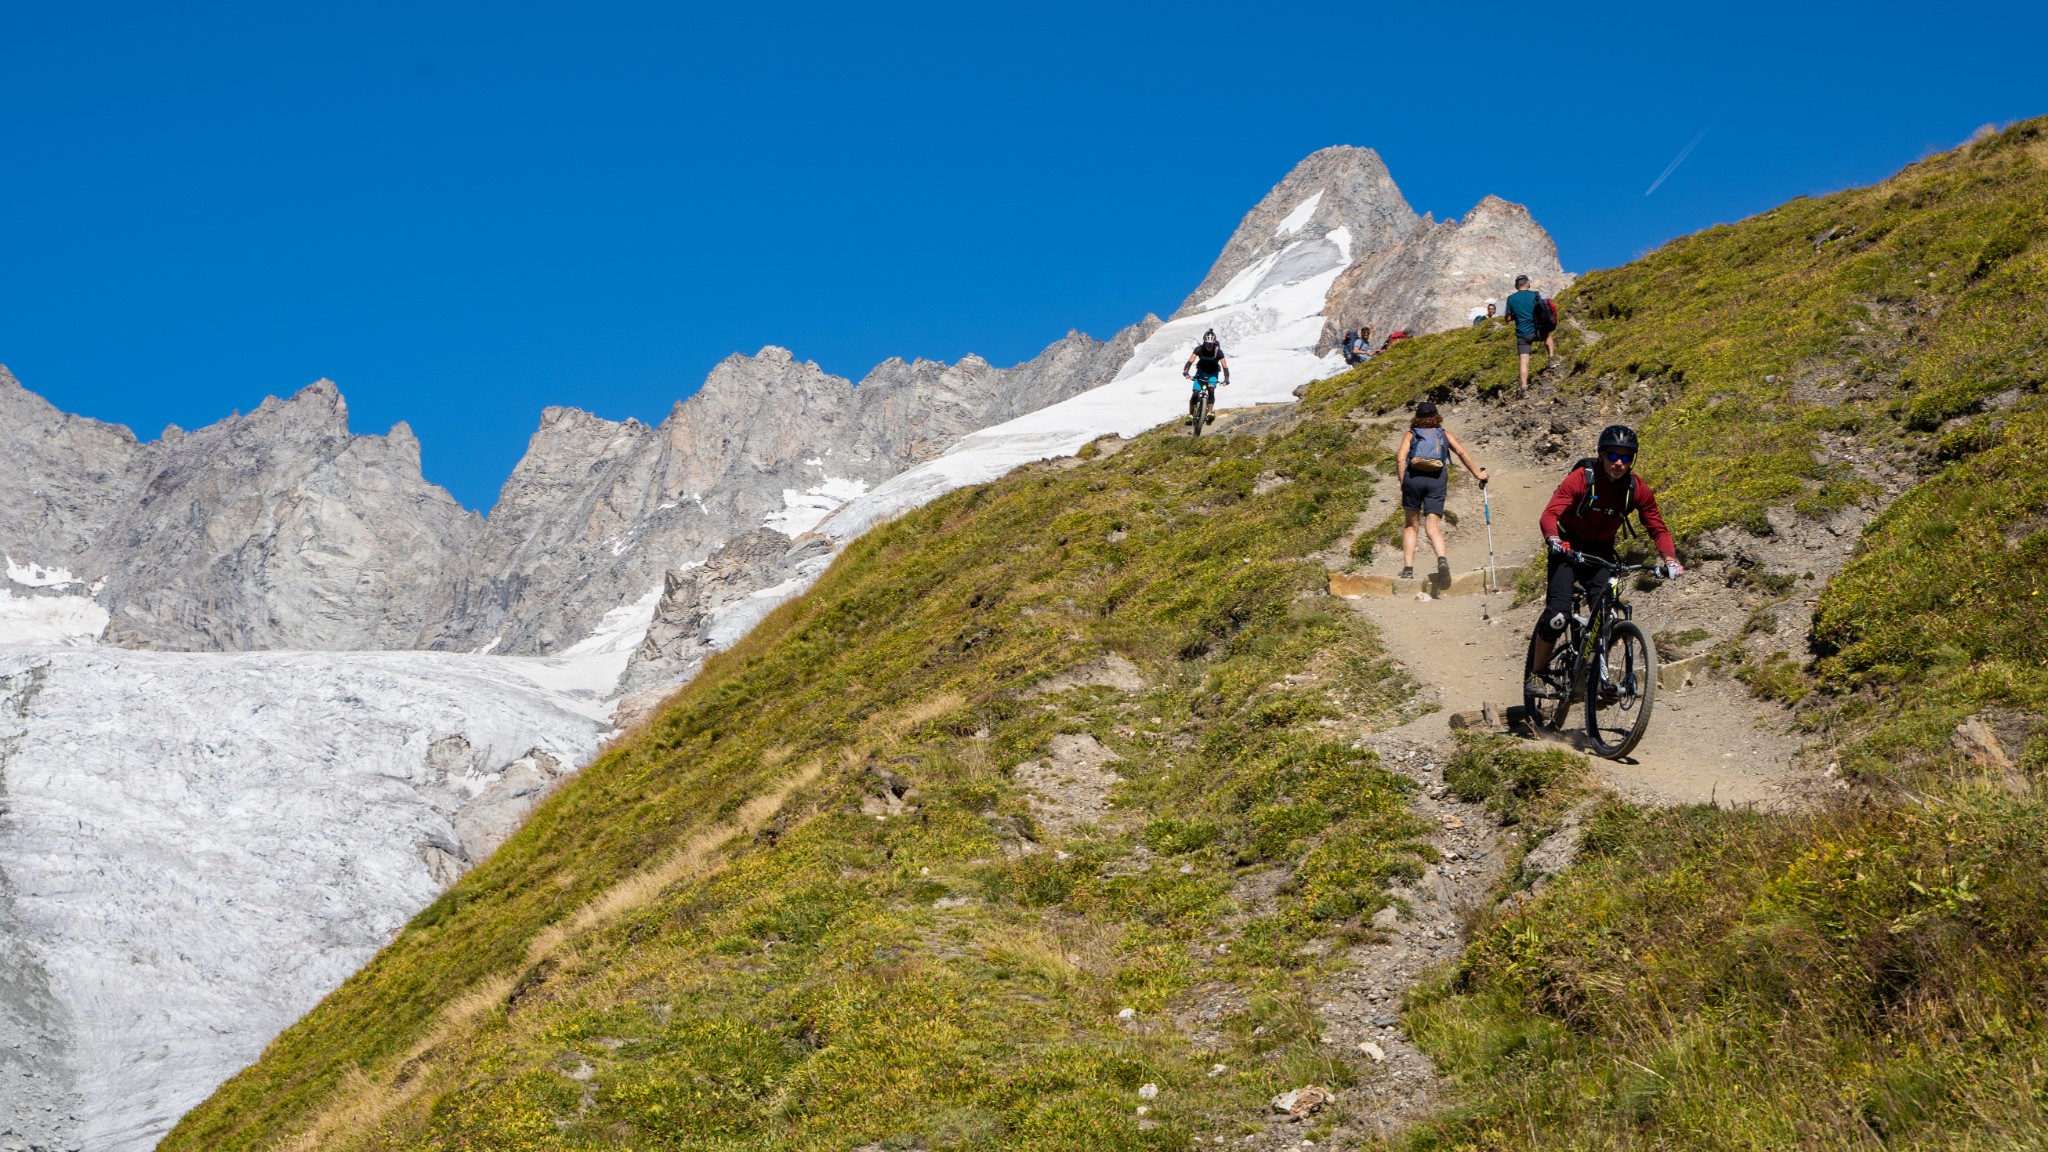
(1601, 520)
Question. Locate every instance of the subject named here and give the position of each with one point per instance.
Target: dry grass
(363, 1104)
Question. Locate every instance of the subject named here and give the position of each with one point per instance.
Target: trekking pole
(1492, 574)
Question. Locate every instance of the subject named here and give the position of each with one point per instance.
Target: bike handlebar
(1577, 557)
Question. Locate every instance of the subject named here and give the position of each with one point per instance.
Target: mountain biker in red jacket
(1579, 520)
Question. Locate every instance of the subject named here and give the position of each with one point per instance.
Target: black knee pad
(1551, 626)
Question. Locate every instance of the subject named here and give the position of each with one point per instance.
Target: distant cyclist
(1583, 517)
(1205, 364)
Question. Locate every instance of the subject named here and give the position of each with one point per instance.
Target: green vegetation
(1873, 974)
(1719, 980)
(811, 907)
(1885, 312)
(904, 949)
(1519, 783)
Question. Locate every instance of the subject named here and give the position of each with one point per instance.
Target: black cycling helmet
(1209, 337)
(1618, 436)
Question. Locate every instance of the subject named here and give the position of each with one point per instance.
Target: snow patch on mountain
(1268, 317)
(731, 623)
(585, 674)
(1298, 219)
(801, 511)
(33, 575)
(60, 620)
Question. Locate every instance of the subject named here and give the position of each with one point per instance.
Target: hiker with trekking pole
(1423, 462)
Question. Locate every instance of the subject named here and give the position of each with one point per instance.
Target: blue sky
(464, 213)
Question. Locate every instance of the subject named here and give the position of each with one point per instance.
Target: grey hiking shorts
(1527, 344)
(1423, 494)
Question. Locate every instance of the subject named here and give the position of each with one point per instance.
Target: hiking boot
(1408, 572)
(1443, 567)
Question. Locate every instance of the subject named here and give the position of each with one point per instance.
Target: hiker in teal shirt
(1522, 304)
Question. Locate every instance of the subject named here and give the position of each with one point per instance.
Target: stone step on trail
(1352, 585)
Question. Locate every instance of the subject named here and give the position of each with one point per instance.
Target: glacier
(199, 846)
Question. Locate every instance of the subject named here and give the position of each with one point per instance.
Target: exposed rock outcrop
(278, 529)
(1433, 277)
(905, 414)
(281, 529)
(597, 512)
(63, 478)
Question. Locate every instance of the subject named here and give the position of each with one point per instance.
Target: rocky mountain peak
(316, 411)
(1336, 187)
(1437, 275)
(404, 446)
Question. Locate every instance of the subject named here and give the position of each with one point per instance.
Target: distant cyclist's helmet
(1619, 437)
(1209, 337)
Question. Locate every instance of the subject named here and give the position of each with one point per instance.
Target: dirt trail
(1710, 742)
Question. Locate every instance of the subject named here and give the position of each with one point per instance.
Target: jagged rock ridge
(281, 529)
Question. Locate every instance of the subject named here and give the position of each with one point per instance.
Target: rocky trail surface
(1710, 741)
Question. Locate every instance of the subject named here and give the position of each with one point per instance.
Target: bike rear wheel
(1549, 711)
(1620, 688)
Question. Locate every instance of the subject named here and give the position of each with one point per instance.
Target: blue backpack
(1428, 452)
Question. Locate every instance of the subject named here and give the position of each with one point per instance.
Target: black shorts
(1563, 576)
(1423, 494)
(1526, 344)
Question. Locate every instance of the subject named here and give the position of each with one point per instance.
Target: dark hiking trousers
(1564, 573)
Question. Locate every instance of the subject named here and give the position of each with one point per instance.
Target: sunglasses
(1620, 457)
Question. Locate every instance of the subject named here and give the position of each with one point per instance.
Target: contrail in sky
(1681, 159)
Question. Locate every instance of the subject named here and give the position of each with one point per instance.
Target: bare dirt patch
(1111, 671)
(1069, 788)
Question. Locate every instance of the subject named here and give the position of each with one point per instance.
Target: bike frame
(1604, 606)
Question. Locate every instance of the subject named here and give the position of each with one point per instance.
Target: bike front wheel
(1620, 689)
(1548, 711)
(1201, 413)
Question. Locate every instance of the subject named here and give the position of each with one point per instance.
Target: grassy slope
(1702, 979)
(1742, 348)
(1873, 975)
(798, 984)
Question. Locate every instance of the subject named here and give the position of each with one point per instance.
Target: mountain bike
(1204, 402)
(1604, 660)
